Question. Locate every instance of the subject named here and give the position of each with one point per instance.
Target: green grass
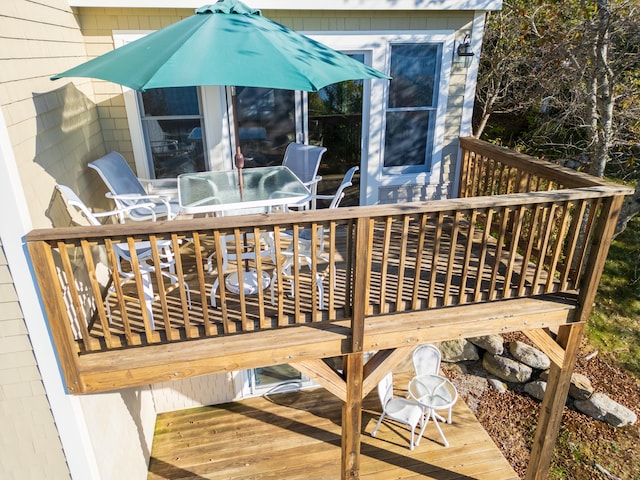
(614, 326)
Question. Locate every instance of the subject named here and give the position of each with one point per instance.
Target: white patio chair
(426, 361)
(127, 190)
(143, 249)
(249, 251)
(337, 197)
(304, 162)
(399, 409)
(305, 244)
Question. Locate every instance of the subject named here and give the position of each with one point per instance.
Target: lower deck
(297, 436)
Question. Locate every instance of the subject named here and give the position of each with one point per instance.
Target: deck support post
(555, 396)
(354, 361)
(352, 417)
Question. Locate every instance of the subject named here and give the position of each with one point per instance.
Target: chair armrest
(160, 186)
(118, 212)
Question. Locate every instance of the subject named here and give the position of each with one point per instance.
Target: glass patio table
(219, 192)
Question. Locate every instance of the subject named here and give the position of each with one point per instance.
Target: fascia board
(388, 5)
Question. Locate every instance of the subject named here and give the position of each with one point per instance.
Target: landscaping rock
(491, 343)
(529, 355)
(458, 351)
(603, 408)
(536, 389)
(506, 368)
(580, 388)
(498, 385)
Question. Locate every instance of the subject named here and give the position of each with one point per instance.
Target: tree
(570, 69)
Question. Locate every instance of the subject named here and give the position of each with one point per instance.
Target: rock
(536, 389)
(506, 368)
(603, 408)
(458, 351)
(491, 343)
(498, 385)
(580, 388)
(529, 355)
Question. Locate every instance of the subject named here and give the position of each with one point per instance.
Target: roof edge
(297, 5)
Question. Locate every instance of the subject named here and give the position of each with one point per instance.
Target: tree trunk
(630, 207)
(604, 98)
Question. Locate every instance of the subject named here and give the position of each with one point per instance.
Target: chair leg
(375, 430)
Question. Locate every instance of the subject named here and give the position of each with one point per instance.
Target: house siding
(98, 25)
(53, 129)
(30, 447)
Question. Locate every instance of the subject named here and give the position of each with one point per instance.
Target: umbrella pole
(238, 159)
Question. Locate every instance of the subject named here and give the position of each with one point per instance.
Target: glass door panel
(266, 124)
(260, 381)
(335, 122)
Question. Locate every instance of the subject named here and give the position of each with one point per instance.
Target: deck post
(52, 299)
(555, 396)
(569, 337)
(354, 361)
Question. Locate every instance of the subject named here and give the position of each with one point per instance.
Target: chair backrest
(303, 160)
(74, 201)
(385, 389)
(347, 181)
(117, 175)
(426, 359)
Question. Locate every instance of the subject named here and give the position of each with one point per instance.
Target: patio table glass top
(263, 187)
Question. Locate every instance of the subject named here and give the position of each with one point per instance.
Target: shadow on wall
(69, 135)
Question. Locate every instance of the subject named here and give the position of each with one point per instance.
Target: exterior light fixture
(463, 49)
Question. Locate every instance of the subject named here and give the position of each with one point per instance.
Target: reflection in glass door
(335, 122)
(266, 124)
(260, 381)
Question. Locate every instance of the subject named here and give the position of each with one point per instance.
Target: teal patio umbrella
(226, 43)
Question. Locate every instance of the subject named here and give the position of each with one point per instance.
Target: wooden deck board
(297, 436)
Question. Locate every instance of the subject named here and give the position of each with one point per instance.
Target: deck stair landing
(296, 436)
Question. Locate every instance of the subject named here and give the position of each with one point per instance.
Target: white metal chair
(123, 253)
(305, 244)
(399, 409)
(337, 197)
(127, 190)
(426, 361)
(249, 250)
(304, 162)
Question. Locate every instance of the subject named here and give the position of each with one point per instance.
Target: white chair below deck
(399, 410)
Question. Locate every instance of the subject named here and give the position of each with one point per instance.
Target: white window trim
(216, 137)
(379, 44)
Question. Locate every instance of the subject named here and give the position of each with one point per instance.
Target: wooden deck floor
(296, 436)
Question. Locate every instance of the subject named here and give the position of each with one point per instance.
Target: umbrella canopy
(226, 43)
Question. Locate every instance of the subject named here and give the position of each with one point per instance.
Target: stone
(498, 385)
(536, 389)
(601, 407)
(506, 368)
(491, 343)
(529, 355)
(459, 350)
(580, 388)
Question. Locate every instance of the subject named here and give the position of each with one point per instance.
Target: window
(411, 107)
(172, 126)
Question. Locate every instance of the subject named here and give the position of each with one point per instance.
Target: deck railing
(521, 228)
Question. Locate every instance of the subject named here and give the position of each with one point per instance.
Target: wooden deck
(297, 435)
